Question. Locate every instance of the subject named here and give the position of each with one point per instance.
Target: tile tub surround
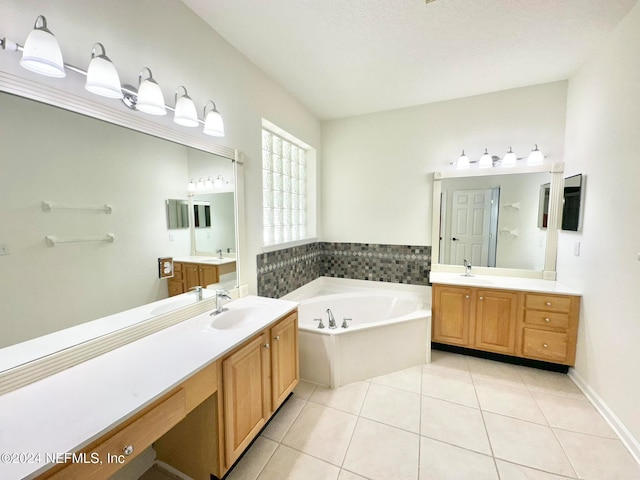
(456, 418)
(282, 271)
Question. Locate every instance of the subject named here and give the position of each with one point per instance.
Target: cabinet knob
(128, 450)
(481, 298)
(277, 337)
(466, 296)
(547, 320)
(545, 345)
(548, 304)
(266, 345)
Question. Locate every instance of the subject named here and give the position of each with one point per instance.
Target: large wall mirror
(491, 218)
(78, 164)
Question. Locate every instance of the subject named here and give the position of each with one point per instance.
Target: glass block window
(284, 192)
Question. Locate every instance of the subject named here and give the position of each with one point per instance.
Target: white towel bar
(52, 240)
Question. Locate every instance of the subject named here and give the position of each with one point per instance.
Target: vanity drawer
(551, 303)
(135, 437)
(548, 319)
(544, 345)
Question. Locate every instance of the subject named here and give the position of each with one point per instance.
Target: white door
(471, 214)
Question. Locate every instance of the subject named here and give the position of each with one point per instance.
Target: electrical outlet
(4, 249)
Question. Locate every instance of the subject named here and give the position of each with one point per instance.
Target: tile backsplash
(282, 271)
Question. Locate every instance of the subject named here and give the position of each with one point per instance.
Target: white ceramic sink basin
(238, 317)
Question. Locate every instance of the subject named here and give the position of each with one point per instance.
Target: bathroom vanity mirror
(491, 219)
(103, 260)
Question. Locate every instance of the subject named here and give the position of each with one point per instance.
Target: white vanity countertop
(66, 411)
(203, 259)
(502, 282)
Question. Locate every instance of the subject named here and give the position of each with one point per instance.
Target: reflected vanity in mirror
(49, 154)
(490, 217)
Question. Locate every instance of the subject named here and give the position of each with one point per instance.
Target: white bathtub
(389, 330)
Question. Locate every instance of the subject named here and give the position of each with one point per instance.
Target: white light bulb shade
(191, 187)
(200, 185)
(485, 160)
(185, 113)
(41, 52)
(463, 161)
(208, 183)
(219, 181)
(102, 77)
(150, 98)
(535, 157)
(213, 124)
(509, 159)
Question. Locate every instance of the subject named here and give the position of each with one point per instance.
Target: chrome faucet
(320, 324)
(220, 294)
(332, 320)
(198, 291)
(344, 322)
(467, 268)
(219, 252)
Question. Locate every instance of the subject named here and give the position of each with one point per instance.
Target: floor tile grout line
(537, 469)
(353, 432)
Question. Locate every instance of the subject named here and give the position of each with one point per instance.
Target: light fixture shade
(200, 185)
(150, 98)
(185, 113)
(463, 161)
(191, 187)
(102, 77)
(41, 52)
(213, 124)
(208, 183)
(535, 157)
(219, 181)
(509, 159)
(485, 160)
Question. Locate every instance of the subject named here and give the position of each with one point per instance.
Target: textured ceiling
(349, 57)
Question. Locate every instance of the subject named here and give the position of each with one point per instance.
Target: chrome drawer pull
(547, 320)
(277, 337)
(266, 345)
(545, 345)
(128, 450)
(466, 296)
(548, 304)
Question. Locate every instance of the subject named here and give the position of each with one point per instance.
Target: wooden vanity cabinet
(187, 275)
(257, 378)
(537, 326)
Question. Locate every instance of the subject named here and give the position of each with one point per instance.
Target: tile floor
(457, 418)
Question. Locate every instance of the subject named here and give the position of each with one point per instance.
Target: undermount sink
(237, 317)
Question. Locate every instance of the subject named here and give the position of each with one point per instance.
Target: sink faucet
(198, 291)
(220, 294)
(467, 268)
(219, 252)
(332, 320)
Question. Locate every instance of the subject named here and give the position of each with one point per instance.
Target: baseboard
(612, 419)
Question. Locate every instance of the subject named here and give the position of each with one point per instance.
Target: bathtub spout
(332, 320)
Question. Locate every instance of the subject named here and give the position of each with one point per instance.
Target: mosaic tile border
(282, 271)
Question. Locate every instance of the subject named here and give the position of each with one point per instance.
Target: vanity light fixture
(485, 160)
(509, 159)
(150, 98)
(200, 185)
(213, 124)
(102, 77)
(208, 184)
(191, 187)
(41, 52)
(219, 181)
(535, 157)
(185, 113)
(463, 161)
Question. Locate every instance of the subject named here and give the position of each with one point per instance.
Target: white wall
(603, 142)
(180, 49)
(376, 168)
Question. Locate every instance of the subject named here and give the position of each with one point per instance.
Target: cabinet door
(208, 275)
(451, 315)
(247, 395)
(496, 316)
(284, 359)
(191, 275)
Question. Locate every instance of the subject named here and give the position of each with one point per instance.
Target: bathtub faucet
(332, 320)
(344, 322)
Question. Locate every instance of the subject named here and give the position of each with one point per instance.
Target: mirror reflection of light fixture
(213, 124)
(535, 157)
(200, 185)
(463, 161)
(102, 77)
(191, 187)
(41, 52)
(509, 159)
(185, 113)
(485, 160)
(150, 98)
(208, 184)
(219, 181)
